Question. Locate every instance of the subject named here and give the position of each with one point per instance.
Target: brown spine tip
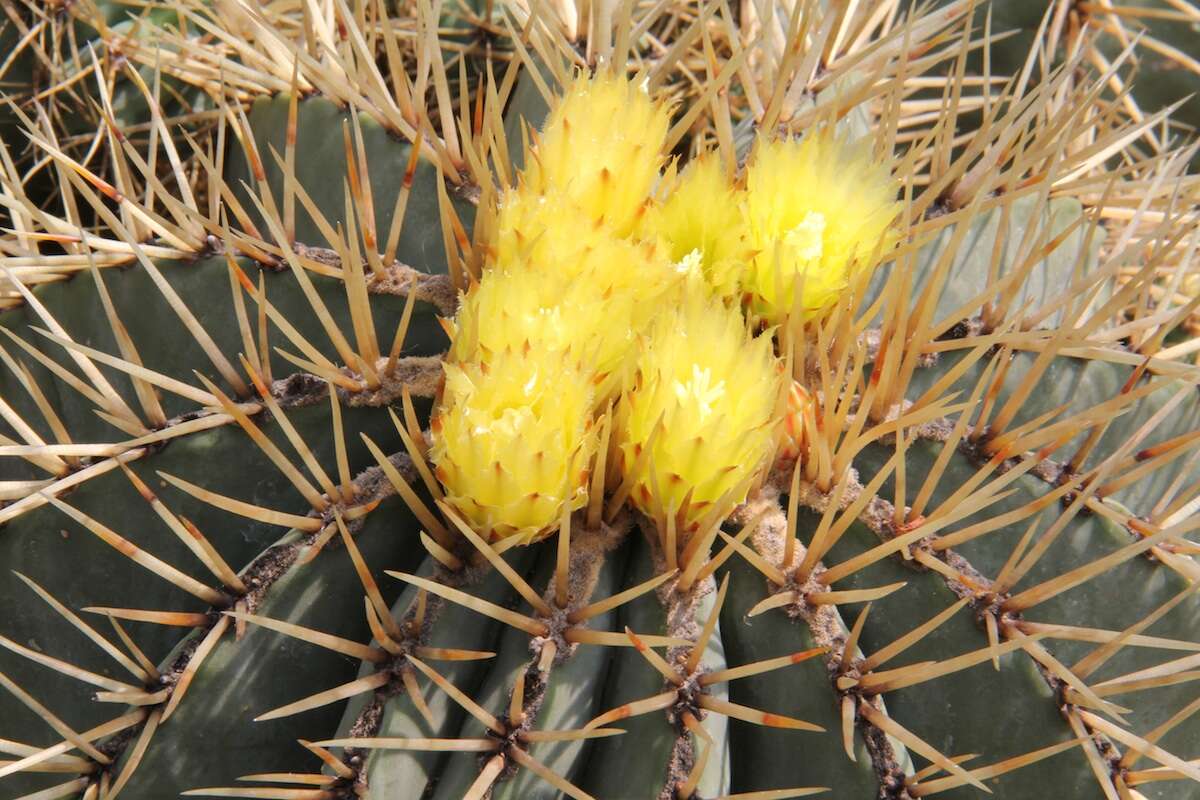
(411, 170)
(1142, 528)
(261, 387)
(192, 529)
(241, 276)
(147, 494)
(804, 655)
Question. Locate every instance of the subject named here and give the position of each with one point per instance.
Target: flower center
(700, 391)
(805, 240)
(690, 263)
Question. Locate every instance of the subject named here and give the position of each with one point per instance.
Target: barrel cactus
(592, 400)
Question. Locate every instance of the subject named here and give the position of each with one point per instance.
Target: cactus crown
(615, 401)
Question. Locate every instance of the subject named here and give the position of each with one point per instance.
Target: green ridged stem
(768, 758)
(639, 757)
(79, 569)
(205, 743)
(393, 772)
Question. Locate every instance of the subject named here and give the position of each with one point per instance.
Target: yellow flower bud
(715, 393)
(800, 417)
(700, 220)
(602, 148)
(817, 212)
(512, 442)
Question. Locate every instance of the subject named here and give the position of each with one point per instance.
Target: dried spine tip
(712, 391)
(818, 210)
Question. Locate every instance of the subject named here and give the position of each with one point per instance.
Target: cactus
(614, 402)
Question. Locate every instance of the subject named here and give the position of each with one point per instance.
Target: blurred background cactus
(806, 405)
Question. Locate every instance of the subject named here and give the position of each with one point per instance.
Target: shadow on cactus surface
(413, 399)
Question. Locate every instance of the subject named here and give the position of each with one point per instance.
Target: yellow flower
(558, 283)
(547, 231)
(717, 392)
(512, 310)
(602, 148)
(817, 212)
(701, 222)
(513, 441)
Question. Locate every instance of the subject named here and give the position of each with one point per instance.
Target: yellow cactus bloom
(611, 303)
(512, 310)
(513, 441)
(557, 283)
(602, 148)
(701, 221)
(717, 392)
(543, 231)
(818, 211)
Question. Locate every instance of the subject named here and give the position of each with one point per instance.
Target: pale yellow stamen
(699, 391)
(806, 239)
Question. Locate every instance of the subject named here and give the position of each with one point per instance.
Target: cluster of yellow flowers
(610, 284)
